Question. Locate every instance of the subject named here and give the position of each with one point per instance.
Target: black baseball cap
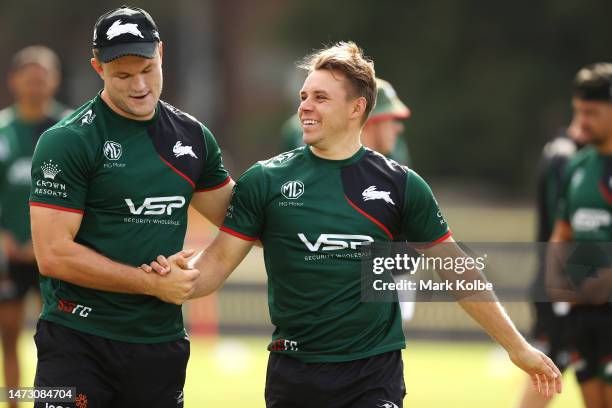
(125, 31)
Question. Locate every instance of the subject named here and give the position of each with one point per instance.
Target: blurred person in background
(33, 79)
(382, 132)
(313, 208)
(585, 218)
(111, 186)
(551, 331)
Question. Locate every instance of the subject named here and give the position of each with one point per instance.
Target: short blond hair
(347, 58)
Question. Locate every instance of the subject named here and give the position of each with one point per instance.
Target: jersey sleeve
(214, 175)
(245, 214)
(562, 206)
(60, 170)
(4, 159)
(422, 220)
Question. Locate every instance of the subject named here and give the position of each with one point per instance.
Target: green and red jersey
(586, 197)
(586, 204)
(132, 181)
(314, 217)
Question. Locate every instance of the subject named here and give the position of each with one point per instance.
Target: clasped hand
(172, 279)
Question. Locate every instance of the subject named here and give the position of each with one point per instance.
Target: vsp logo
(292, 189)
(156, 205)
(334, 242)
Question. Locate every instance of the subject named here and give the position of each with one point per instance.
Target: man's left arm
(485, 309)
(213, 189)
(422, 222)
(213, 204)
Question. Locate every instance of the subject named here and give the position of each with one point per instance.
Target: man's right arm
(218, 261)
(215, 263)
(242, 227)
(60, 257)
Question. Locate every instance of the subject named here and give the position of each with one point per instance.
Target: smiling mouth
(309, 122)
(140, 97)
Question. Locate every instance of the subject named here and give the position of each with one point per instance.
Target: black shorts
(21, 278)
(551, 334)
(110, 373)
(376, 381)
(592, 340)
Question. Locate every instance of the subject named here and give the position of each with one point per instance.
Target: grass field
(231, 372)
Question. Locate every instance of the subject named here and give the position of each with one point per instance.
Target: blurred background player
(585, 216)
(382, 132)
(34, 77)
(383, 129)
(550, 331)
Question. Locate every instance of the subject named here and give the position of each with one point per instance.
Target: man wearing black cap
(111, 185)
(34, 76)
(585, 215)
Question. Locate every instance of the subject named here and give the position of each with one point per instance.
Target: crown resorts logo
(50, 170)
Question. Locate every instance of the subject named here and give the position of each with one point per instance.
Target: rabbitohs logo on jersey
(371, 193)
(387, 404)
(88, 117)
(180, 150)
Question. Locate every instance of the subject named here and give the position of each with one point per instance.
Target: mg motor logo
(112, 150)
(334, 242)
(292, 189)
(156, 205)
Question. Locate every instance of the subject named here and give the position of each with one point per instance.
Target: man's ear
(359, 107)
(161, 50)
(97, 66)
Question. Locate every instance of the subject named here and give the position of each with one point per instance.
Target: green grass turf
(231, 372)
